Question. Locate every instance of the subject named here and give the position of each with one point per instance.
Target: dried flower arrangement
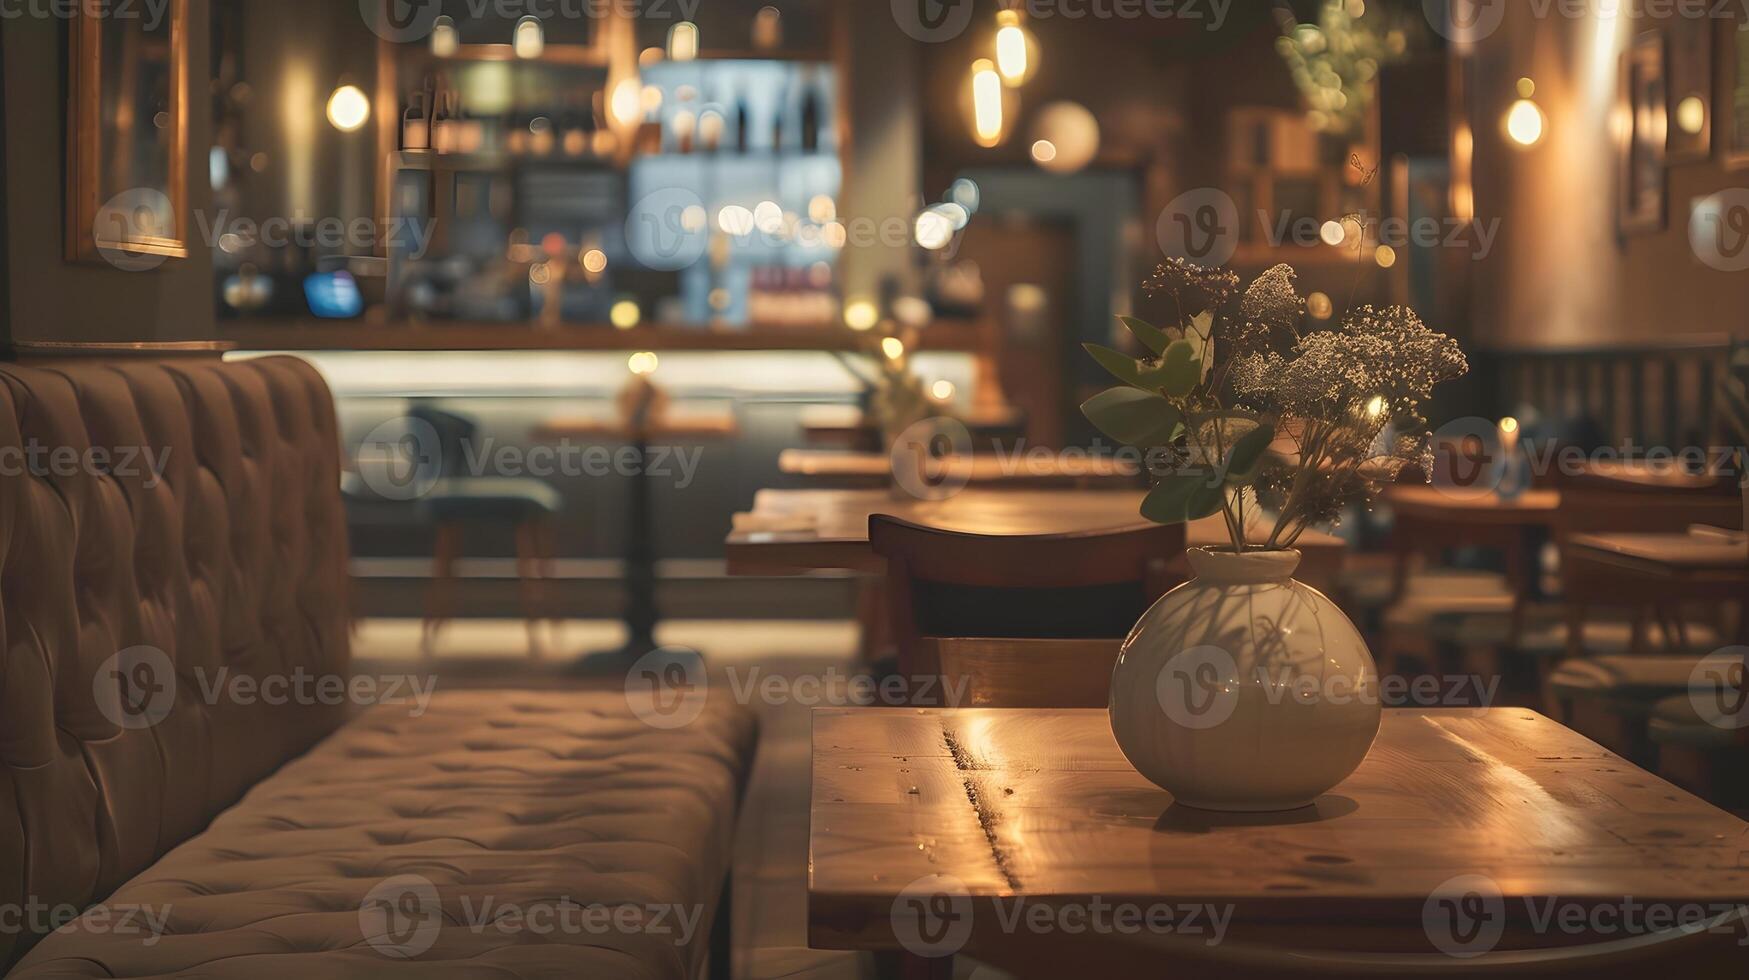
(1246, 404)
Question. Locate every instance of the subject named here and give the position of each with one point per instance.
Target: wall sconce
(348, 109)
(1524, 120)
(1016, 49)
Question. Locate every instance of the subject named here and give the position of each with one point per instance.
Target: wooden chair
(1085, 585)
(1024, 673)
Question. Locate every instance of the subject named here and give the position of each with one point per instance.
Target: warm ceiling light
(594, 261)
(1691, 115)
(683, 41)
(1385, 256)
(893, 347)
(445, 40)
(642, 363)
(626, 103)
(1043, 151)
(986, 103)
(942, 390)
(1319, 306)
(1015, 49)
(1333, 233)
(529, 39)
(1524, 123)
(768, 217)
(861, 315)
(624, 314)
(1070, 132)
(348, 108)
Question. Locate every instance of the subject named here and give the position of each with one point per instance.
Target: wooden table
(867, 470)
(1040, 805)
(1438, 504)
(1705, 557)
(790, 532)
(848, 425)
(671, 425)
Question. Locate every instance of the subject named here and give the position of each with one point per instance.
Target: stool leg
(528, 582)
(440, 594)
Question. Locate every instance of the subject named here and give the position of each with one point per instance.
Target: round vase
(1244, 690)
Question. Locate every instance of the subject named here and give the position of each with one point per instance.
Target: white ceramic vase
(1244, 690)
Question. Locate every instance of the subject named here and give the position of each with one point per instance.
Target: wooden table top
(674, 424)
(1041, 804)
(1459, 506)
(792, 531)
(830, 420)
(876, 469)
(1665, 555)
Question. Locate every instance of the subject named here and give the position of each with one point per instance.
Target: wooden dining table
(790, 532)
(1030, 469)
(1460, 831)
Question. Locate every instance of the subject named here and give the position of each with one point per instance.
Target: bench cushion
(1630, 682)
(493, 803)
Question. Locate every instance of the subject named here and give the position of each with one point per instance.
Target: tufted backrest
(167, 526)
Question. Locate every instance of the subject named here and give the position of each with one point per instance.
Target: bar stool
(458, 501)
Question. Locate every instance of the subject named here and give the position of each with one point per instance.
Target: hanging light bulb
(1524, 121)
(445, 40)
(529, 39)
(986, 103)
(683, 41)
(348, 109)
(1016, 50)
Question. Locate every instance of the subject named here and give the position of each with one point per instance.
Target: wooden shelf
(310, 334)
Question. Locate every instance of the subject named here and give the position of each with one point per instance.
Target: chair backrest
(1020, 673)
(452, 435)
(166, 526)
(1083, 585)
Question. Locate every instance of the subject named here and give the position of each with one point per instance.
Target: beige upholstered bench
(490, 833)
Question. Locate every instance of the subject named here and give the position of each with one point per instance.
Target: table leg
(640, 615)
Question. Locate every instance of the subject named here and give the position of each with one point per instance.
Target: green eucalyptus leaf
(1247, 455)
(1152, 337)
(1134, 417)
(1122, 366)
(1180, 372)
(1186, 496)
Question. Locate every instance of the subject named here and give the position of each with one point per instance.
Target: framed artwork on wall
(1732, 113)
(1691, 88)
(127, 136)
(1645, 113)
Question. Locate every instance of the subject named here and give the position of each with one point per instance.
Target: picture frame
(1731, 117)
(1643, 136)
(1690, 109)
(127, 135)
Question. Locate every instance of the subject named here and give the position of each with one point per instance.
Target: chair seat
(522, 799)
(1633, 683)
(1677, 720)
(504, 499)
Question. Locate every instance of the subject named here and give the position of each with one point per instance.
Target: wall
(1560, 275)
(48, 298)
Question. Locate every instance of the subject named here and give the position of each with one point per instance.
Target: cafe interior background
(504, 226)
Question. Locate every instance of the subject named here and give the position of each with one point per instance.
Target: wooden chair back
(1082, 585)
(983, 672)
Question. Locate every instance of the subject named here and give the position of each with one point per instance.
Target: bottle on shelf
(415, 127)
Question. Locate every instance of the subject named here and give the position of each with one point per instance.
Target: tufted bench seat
(473, 822)
(165, 522)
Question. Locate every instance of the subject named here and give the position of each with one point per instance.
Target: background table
(869, 470)
(793, 531)
(1041, 804)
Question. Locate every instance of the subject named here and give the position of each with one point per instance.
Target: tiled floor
(771, 853)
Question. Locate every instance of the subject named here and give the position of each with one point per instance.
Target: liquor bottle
(415, 128)
(442, 122)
